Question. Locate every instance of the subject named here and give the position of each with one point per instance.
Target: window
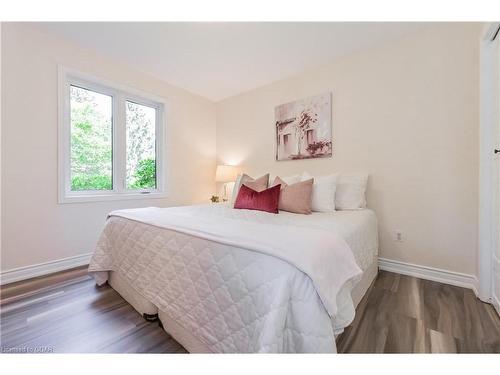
(91, 118)
(141, 147)
(111, 141)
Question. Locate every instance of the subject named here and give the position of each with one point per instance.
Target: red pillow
(265, 200)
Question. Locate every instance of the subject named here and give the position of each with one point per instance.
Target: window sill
(107, 197)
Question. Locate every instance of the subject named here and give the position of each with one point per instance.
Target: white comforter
(240, 281)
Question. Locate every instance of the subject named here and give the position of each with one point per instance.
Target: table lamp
(225, 174)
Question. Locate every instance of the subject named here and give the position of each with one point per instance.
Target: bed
(223, 280)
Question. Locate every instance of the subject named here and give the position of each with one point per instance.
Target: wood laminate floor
(66, 312)
(76, 316)
(403, 314)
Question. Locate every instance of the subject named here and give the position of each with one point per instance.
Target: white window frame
(120, 95)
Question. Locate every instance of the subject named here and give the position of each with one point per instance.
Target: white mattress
(232, 299)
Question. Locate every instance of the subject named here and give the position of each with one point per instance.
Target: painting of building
(304, 128)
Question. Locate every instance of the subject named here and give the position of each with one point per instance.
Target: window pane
(141, 152)
(91, 140)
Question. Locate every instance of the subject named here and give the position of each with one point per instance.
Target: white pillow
(323, 194)
(236, 188)
(351, 191)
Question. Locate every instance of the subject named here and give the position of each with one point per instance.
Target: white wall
(35, 227)
(407, 113)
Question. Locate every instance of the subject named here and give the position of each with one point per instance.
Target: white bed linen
(357, 227)
(232, 299)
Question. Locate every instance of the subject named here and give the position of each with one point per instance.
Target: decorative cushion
(266, 200)
(296, 197)
(257, 184)
(289, 179)
(323, 194)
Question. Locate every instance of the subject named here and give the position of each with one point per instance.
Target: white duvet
(239, 280)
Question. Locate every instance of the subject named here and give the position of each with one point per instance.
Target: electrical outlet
(398, 236)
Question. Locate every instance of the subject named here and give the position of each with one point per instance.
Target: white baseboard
(430, 273)
(28, 272)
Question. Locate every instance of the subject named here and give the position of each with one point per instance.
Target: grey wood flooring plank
(403, 314)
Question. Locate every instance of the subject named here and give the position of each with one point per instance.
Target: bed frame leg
(150, 317)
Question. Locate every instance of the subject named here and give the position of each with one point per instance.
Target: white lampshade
(226, 173)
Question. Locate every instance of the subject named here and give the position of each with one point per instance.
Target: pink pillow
(296, 197)
(258, 184)
(266, 200)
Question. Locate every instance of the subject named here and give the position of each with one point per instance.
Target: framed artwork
(304, 128)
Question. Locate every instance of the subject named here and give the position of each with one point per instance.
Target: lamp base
(224, 198)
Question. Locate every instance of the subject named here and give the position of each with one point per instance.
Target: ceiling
(220, 60)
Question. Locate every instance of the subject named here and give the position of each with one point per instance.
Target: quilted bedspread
(238, 285)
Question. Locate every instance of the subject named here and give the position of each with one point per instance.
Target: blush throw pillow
(257, 184)
(296, 197)
(323, 195)
(288, 179)
(266, 200)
